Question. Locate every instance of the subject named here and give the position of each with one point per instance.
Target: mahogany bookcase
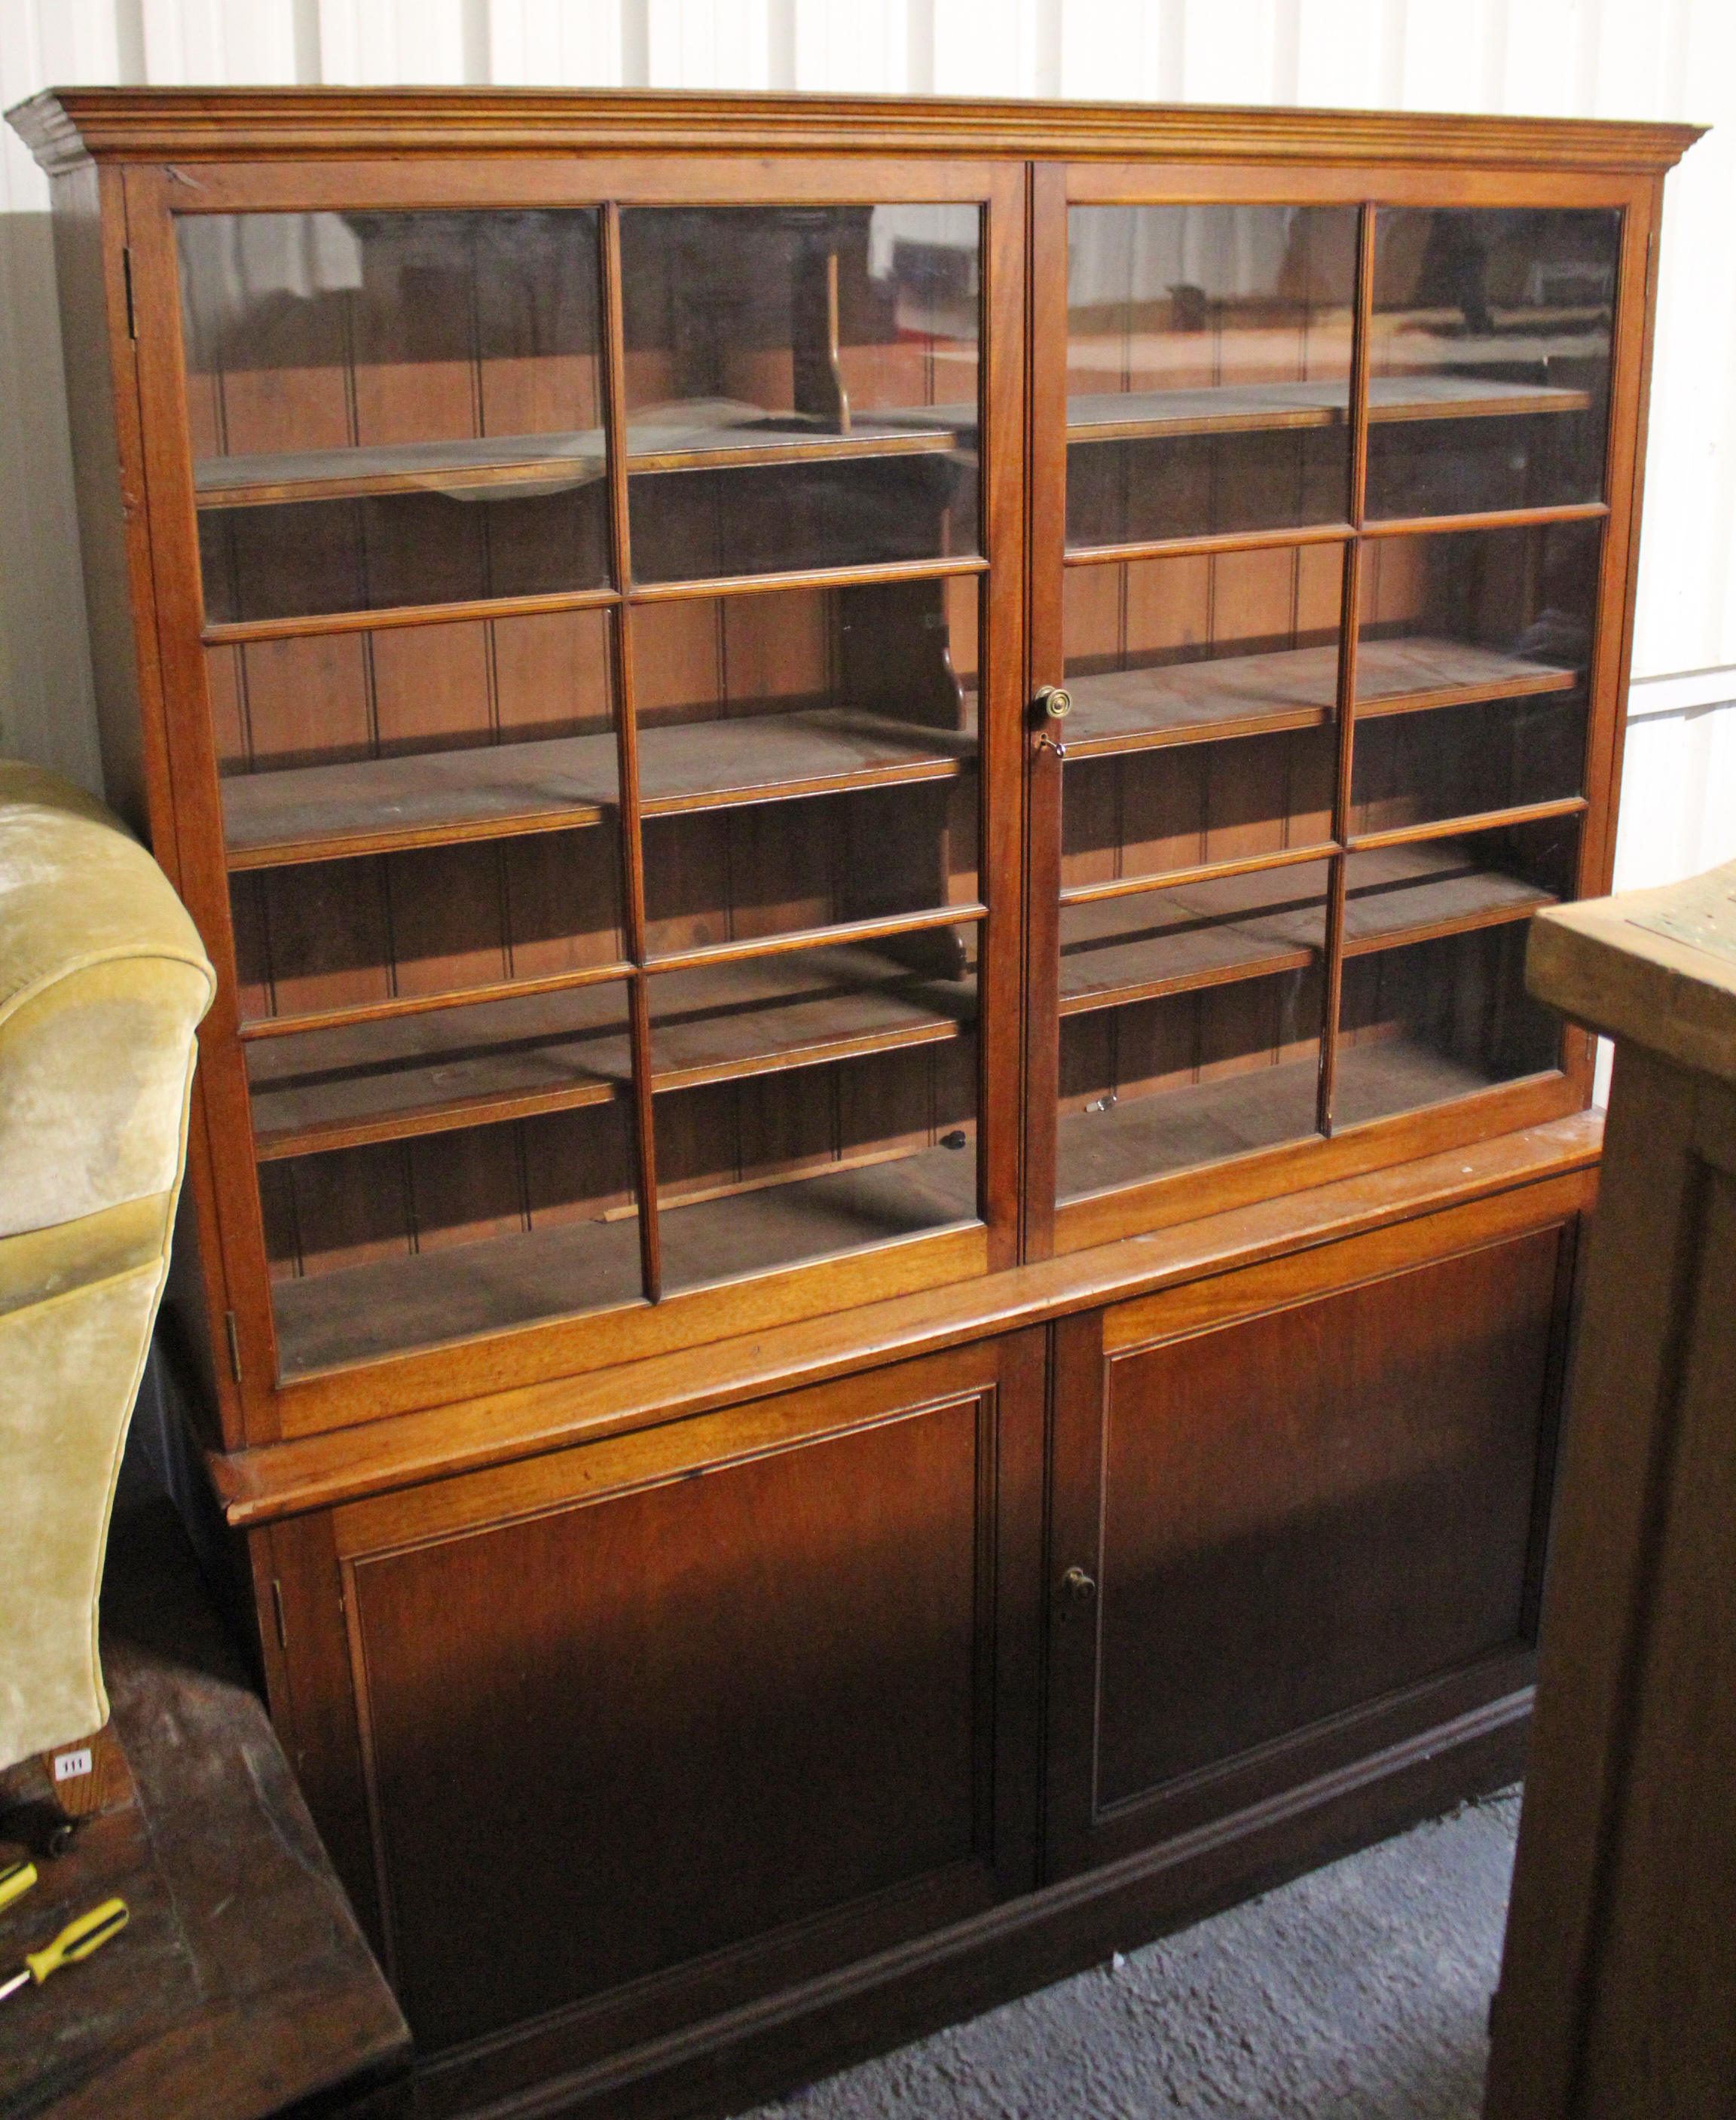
(879, 1241)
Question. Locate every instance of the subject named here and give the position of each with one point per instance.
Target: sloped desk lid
(1655, 969)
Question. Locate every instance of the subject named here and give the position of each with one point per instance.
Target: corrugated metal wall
(1609, 58)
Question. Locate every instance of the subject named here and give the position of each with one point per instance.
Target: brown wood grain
(258, 124)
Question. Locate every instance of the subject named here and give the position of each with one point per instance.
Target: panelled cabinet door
(661, 1724)
(597, 656)
(1297, 1519)
(1329, 533)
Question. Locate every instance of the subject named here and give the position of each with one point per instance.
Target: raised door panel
(659, 1725)
(1313, 1527)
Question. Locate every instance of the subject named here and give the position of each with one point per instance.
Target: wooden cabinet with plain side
(869, 1338)
(1618, 1985)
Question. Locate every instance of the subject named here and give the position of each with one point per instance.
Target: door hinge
(234, 1343)
(278, 1613)
(126, 269)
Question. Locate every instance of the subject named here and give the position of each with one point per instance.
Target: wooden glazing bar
(1349, 626)
(1484, 820)
(626, 736)
(381, 1011)
(1494, 519)
(807, 577)
(1216, 541)
(807, 938)
(233, 632)
(1171, 879)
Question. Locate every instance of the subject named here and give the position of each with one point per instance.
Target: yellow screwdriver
(78, 1940)
(15, 1880)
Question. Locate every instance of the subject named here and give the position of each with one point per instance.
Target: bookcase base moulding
(878, 1242)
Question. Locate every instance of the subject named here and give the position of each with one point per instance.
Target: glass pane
(1475, 615)
(1463, 761)
(764, 1014)
(773, 1169)
(405, 1243)
(1405, 893)
(393, 408)
(801, 386)
(1190, 1024)
(1489, 358)
(1164, 655)
(1435, 1020)
(357, 1081)
(1207, 368)
(1214, 643)
(807, 758)
(326, 935)
(354, 740)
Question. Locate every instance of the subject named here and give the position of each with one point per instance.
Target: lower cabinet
(658, 1763)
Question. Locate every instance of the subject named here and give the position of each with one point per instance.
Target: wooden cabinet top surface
(64, 127)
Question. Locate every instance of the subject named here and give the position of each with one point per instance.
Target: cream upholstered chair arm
(103, 983)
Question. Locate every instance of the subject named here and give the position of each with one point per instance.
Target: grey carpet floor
(1360, 1991)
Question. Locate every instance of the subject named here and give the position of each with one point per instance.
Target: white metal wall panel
(1625, 58)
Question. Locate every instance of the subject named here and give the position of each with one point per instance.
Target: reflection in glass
(394, 408)
(1489, 358)
(1208, 369)
(802, 386)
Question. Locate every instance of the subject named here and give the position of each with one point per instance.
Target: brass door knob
(1053, 703)
(1079, 1585)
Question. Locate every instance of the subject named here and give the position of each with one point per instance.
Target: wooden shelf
(1398, 896)
(1145, 1137)
(1142, 1137)
(1247, 408)
(362, 1312)
(509, 466)
(1118, 711)
(381, 805)
(1381, 1077)
(509, 1059)
(1144, 946)
(1141, 947)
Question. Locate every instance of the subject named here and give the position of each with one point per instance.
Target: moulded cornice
(64, 127)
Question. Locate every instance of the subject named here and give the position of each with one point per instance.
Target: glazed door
(1331, 520)
(596, 619)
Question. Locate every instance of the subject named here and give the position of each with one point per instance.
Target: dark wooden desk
(242, 1986)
